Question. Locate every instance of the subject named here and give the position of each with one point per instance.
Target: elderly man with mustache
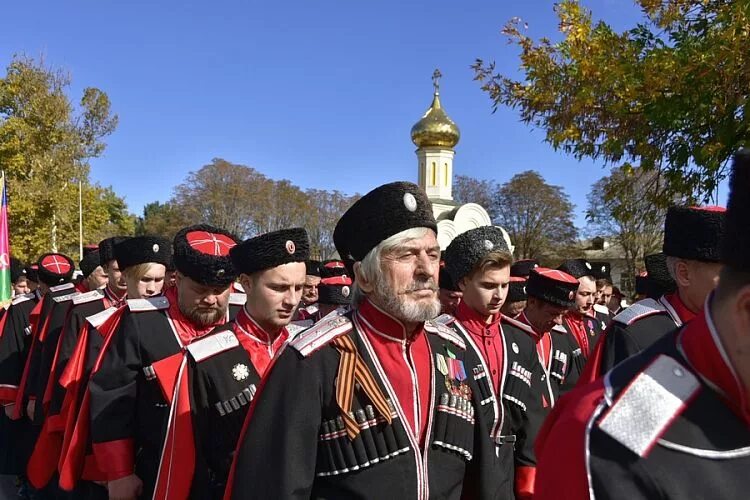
(379, 402)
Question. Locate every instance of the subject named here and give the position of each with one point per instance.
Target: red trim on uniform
(703, 349)
(73, 458)
(43, 461)
(680, 308)
(35, 313)
(118, 455)
(565, 431)
(524, 482)
(8, 394)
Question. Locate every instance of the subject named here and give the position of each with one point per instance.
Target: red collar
(523, 319)
(114, 300)
(251, 328)
(382, 323)
(703, 349)
(185, 328)
(682, 311)
(475, 322)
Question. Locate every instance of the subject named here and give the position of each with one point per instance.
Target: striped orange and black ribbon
(353, 368)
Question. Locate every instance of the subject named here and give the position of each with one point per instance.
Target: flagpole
(80, 218)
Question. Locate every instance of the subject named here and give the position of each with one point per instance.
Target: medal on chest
(454, 373)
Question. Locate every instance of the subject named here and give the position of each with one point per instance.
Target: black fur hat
(641, 284)
(271, 249)
(516, 289)
(383, 212)
(89, 262)
(694, 232)
(107, 248)
(735, 245)
(331, 268)
(141, 250)
(446, 282)
(522, 268)
(201, 252)
(335, 290)
(553, 286)
(601, 271)
(469, 248)
(312, 268)
(577, 268)
(16, 270)
(32, 272)
(658, 279)
(55, 269)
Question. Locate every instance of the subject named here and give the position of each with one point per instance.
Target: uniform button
(678, 372)
(494, 372)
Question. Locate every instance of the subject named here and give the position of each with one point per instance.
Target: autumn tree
(245, 202)
(537, 215)
(470, 190)
(46, 143)
(621, 208)
(670, 94)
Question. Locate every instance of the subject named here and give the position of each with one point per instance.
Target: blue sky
(323, 93)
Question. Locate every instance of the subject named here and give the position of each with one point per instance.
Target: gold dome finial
(435, 129)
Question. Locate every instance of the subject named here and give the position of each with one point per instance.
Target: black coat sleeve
(618, 346)
(113, 387)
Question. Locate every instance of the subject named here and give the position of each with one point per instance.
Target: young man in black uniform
(379, 403)
(131, 406)
(672, 422)
(479, 262)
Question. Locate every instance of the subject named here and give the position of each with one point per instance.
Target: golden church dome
(435, 129)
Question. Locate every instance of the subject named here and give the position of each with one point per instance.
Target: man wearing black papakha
(380, 402)
(140, 414)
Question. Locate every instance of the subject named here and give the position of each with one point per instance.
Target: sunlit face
(115, 280)
(407, 286)
(703, 278)
(449, 300)
(486, 290)
(204, 305)
(273, 294)
(21, 286)
(585, 294)
(310, 289)
(149, 284)
(605, 296)
(97, 279)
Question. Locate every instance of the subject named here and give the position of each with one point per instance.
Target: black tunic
(293, 445)
(128, 409)
(16, 436)
(667, 423)
(517, 414)
(633, 330)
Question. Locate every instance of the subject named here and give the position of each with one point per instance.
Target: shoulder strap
(640, 309)
(66, 297)
(518, 324)
(150, 304)
(440, 326)
(22, 298)
(87, 297)
(213, 344)
(237, 299)
(96, 320)
(59, 288)
(601, 309)
(295, 327)
(645, 409)
(322, 333)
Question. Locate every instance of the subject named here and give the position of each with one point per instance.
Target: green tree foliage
(245, 202)
(45, 144)
(537, 216)
(670, 94)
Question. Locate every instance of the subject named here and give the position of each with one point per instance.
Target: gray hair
(672, 266)
(370, 267)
